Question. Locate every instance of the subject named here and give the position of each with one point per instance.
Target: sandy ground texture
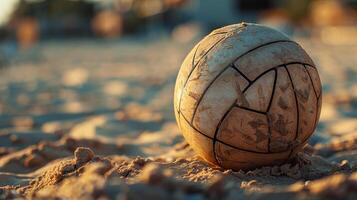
(94, 120)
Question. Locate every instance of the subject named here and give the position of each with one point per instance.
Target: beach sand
(94, 120)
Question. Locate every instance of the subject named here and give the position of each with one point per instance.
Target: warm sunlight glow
(6, 8)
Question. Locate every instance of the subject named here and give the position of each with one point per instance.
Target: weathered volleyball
(247, 96)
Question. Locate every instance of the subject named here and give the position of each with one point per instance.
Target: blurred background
(63, 62)
(25, 22)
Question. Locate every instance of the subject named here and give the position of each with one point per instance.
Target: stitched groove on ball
(245, 130)
(205, 91)
(241, 73)
(314, 76)
(222, 141)
(317, 96)
(306, 100)
(196, 130)
(269, 105)
(206, 46)
(256, 111)
(194, 65)
(227, 157)
(319, 102)
(270, 132)
(267, 71)
(217, 141)
(257, 96)
(281, 118)
(195, 106)
(255, 62)
(272, 92)
(217, 99)
(250, 84)
(192, 93)
(257, 78)
(185, 70)
(216, 131)
(296, 103)
(315, 79)
(201, 143)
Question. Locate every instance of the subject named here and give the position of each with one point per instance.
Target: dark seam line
(317, 113)
(217, 129)
(262, 45)
(269, 105)
(244, 76)
(312, 66)
(277, 41)
(260, 75)
(204, 92)
(306, 54)
(320, 93)
(195, 65)
(236, 161)
(296, 102)
(269, 131)
(240, 149)
(272, 68)
(252, 82)
(249, 109)
(273, 90)
(184, 85)
(312, 83)
(317, 99)
(246, 150)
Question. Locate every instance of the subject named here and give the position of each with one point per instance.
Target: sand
(94, 120)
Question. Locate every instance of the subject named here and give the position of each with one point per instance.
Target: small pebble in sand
(345, 165)
(83, 155)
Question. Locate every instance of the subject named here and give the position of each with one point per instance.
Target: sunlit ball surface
(247, 96)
